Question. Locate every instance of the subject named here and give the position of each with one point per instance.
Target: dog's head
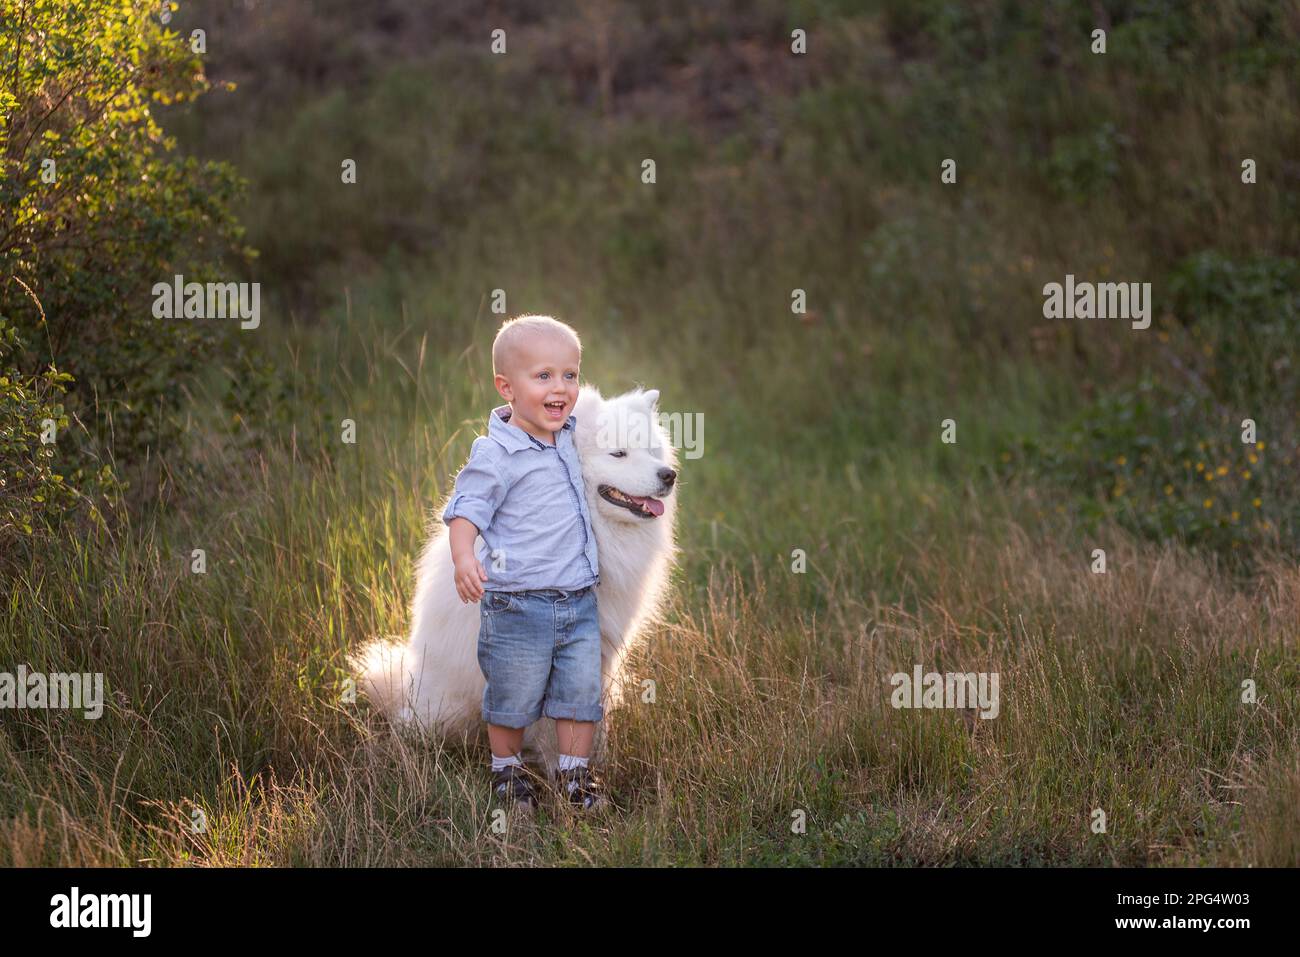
(628, 465)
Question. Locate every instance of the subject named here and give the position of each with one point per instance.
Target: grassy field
(1119, 691)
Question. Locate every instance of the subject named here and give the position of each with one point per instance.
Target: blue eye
(542, 375)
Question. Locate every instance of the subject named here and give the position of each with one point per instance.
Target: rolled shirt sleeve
(481, 486)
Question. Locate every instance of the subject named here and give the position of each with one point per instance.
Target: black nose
(667, 476)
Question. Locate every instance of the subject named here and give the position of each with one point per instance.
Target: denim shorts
(540, 653)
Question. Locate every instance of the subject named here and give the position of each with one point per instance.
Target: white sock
(506, 762)
(570, 761)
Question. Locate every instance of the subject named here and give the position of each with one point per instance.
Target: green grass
(1119, 692)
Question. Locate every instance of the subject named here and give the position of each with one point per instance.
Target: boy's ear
(503, 387)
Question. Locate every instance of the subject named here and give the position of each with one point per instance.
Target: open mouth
(642, 505)
(555, 410)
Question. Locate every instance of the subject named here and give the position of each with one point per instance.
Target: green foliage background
(95, 207)
(822, 172)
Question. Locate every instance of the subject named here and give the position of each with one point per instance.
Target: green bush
(1164, 464)
(93, 212)
(28, 483)
(1166, 457)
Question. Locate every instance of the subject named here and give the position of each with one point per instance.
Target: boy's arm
(480, 489)
(470, 573)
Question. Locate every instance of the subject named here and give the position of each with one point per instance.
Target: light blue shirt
(526, 498)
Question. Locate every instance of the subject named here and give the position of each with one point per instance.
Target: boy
(521, 490)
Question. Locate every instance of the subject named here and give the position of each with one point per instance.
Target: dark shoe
(513, 787)
(582, 788)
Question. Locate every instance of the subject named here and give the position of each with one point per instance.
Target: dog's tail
(385, 676)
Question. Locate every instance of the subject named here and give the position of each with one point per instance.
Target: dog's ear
(651, 397)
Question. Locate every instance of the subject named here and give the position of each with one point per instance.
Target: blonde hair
(514, 332)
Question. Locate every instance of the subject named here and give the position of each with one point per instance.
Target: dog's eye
(618, 453)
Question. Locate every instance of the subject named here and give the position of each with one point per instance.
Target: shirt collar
(511, 437)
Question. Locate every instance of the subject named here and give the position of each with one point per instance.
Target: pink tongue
(655, 506)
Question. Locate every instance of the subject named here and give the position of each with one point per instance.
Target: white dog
(433, 682)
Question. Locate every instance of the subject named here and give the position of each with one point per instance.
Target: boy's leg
(514, 654)
(505, 742)
(573, 696)
(575, 737)
(573, 693)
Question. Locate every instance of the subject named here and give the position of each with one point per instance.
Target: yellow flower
(1209, 502)
(1209, 476)
(1121, 460)
(1260, 446)
(1200, 466)
(1236, 515)
(1252, 458)
(1222, 470)
(1257, 502)
(1169, 490)
(1245, 473)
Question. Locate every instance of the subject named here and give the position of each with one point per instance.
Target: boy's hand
(470, 576)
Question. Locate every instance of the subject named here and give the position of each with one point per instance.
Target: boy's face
(541, 385)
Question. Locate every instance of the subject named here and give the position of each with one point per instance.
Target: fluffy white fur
(433, 682)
